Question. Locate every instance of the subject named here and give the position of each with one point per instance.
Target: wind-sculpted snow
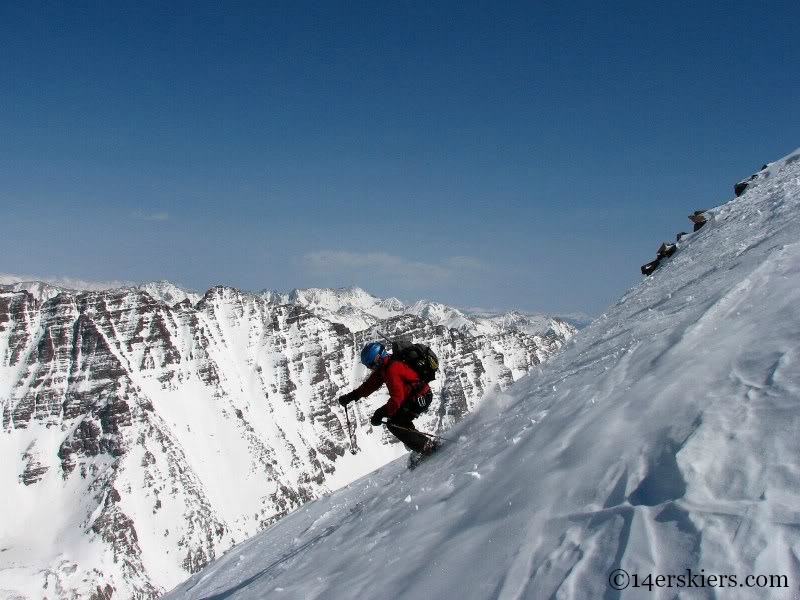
(146, 430)
(663, 439)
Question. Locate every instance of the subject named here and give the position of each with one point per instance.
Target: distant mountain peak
(129, 415)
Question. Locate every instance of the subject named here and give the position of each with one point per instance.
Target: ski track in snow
(663, 438)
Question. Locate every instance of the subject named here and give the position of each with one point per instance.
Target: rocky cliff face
(141, 438)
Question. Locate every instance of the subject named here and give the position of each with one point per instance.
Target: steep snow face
(38, 289)
(352, 307)
(663, 438)
(441, 315)
(484, 323)
(143, 431)
(334, 299)
(529, 324)
(163, 291)
(169, 293)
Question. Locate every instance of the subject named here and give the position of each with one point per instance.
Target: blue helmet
(372, 354)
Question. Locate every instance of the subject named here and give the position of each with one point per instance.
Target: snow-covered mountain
(145, 430)
(655, 457)
(169, 293)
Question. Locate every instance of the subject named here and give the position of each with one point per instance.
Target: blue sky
(522, 155)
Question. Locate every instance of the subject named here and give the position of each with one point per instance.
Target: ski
(415, 458)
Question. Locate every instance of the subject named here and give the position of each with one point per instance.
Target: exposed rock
(741, 187)
(84, 442)
(102, 593)
(34, 470)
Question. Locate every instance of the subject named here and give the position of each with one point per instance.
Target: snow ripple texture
(663, 438)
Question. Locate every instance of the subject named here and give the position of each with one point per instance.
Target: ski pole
(353, 444)
(430, 435)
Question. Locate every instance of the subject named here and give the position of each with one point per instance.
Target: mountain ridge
(330, 299)
(182, 428)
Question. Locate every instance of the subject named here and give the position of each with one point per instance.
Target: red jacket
(401, 380)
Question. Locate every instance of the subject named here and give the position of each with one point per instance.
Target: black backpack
(417, 356)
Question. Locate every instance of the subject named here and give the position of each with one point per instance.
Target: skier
(409, 396)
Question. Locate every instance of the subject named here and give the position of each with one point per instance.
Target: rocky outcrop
(34, 470)
(740, 187)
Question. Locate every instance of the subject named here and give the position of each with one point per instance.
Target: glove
(377, 417)
(347, 399)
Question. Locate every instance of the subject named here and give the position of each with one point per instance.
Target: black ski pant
(401, 424)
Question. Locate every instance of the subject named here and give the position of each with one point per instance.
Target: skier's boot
(430, 447)
(427, 449)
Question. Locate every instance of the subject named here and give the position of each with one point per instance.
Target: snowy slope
(38, 289)
(169, 293)
(163, 291)
(663, 438)
(441, 315)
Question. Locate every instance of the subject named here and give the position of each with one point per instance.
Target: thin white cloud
(70, 283)
(466, 263)
(412, 273)
(155, 216)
